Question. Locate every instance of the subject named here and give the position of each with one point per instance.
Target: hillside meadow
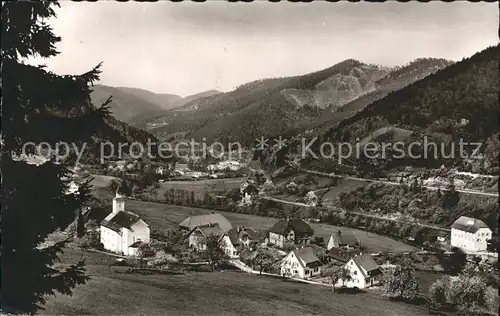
(166, 216)
(111, 291)
(200, 187)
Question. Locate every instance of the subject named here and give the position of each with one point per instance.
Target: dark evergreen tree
(38, 106)
(80, 225)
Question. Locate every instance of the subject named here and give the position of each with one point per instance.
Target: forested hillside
(125, 105)
(267, 106)
(460, 101)
(287, 106)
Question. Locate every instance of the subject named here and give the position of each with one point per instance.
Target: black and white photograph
(250, 158)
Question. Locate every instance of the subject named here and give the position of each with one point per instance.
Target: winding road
(324, 174)
(337, 209)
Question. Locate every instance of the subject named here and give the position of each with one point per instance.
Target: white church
(121, 231)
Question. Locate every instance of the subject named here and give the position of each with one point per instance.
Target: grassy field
(165, 216)
(344, 186)
(209, 293)
(100, 185)
(211, 186)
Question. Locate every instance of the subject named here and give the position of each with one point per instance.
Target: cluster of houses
(123, 232)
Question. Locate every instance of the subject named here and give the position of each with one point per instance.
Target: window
(316, 269)
(307, 272)
(355, 272)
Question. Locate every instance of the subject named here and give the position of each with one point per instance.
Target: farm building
(344, 240)
(294, 231)
(204, 220)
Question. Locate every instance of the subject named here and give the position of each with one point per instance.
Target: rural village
(346, 160)
(165, 218)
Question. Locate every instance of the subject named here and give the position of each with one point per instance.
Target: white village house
(202, 226)
(343, 240)
(470, 234)
(302, 263)
(199, 234)
(364, 272)
(123, 231)
(249, 191)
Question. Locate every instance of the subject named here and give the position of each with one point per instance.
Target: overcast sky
(185, 48)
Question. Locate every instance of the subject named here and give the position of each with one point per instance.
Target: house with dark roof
(199, 234)
(339, 255)
(302, 263)
(229, 241)
(294, 231)
(204, 220)
(470, 234)
(121, 230)
(244, 237)
(364, 272)
(248, 191)
(343, 240)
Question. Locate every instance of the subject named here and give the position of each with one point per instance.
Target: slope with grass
(200, 187)
(165, 216)
(207, 293)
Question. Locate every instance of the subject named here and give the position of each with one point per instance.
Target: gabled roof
(366, 262)
(468, 224)
(204, 220)
(298, 225)
(208, 230)
(339, 254)
(122, 219)
(235, 235)
(307, 257)
(345, 238)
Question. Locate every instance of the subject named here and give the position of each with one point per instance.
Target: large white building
(123, 231)
(470, 234)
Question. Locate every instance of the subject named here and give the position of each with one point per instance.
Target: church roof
(122, 219)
